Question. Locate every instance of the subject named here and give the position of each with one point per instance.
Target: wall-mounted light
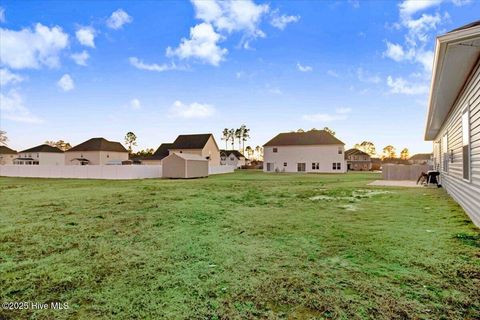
(451, 155)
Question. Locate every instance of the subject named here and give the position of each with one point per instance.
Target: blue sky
(75, 70)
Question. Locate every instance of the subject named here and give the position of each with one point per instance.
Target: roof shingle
(191, 141)
(99, 144)
(312, 137)
(7, 150)
(43, 148)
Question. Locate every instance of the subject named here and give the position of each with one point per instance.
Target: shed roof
(312, 137)
(7, 150)
(99, 144)
(43, 148)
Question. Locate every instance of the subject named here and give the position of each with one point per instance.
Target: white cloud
(194, 110)
(2, 15)
(363, 76)
(232, 15)
(281, 21)
(86, 36)
(304, 68)
(340, 114)
(333, 73)
(402, 86)
(354, 3)
(12, 108)
(394, 51)
(135, 104)
(28, 48)
(137, 63)
(201, 45)
(343, 110)
(7, 77)
(118, 19)
(410, 7)
(66, 83)
(80, 58)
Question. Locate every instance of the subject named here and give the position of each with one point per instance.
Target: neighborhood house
(157, 157)
(96, 151)
(421, 158)
(453, 117)
(311, 151)
(203, 145)
(41, 155)
(7, 155)
(358, 160)
(232, 158)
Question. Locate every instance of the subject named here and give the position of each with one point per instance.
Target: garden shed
(184, 166)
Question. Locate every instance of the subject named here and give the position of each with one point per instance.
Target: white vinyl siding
(466, 193)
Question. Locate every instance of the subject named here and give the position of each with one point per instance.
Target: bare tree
(226, 137)
(130, 140)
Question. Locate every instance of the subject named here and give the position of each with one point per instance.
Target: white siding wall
(51, 159)
(466, 193)
(325, 155)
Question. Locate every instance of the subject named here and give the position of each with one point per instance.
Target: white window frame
(444, 152)
(466, 113)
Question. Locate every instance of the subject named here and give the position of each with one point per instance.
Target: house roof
(189, 156)
(312, 137)
(236, 153)
(43, 148)
(191, 141)
(162, 151)
(99, 144)
(456, 54)
(354, 151)
(421, 156)
(7, 150)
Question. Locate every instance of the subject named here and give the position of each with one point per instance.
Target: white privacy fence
(82, 172)
(94, 171)
(403, 171)
(220, 169)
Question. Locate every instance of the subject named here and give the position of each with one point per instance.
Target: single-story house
(232, 158)
(41, 155)
(421, 158)
(158, 155)
(7, 155)
(358, 160)
(203, 145)
(310, 151)
(184, 166)
(453, 115)
(96, 151)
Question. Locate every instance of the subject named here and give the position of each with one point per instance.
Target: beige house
(232, 158)
(184, 166)
(41, 155)
(421, 158)
(311, 151)
(157, 157)
(203, 145)
(7, 155)
(96, 151)
(358, 160)
(453, 116)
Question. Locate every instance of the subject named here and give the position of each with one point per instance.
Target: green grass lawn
(236, 246)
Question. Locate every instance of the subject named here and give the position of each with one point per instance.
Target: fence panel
(403, 171)
(82, 172)
(220, 169)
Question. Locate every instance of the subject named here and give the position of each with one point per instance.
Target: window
(340, 151)
(108, 156)
(466, 144)
(232, 158)
(445, 152)
(337, 166)
(275, 150)
(315, 166)
(301, 167)
(269, 166)
(284, 164)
